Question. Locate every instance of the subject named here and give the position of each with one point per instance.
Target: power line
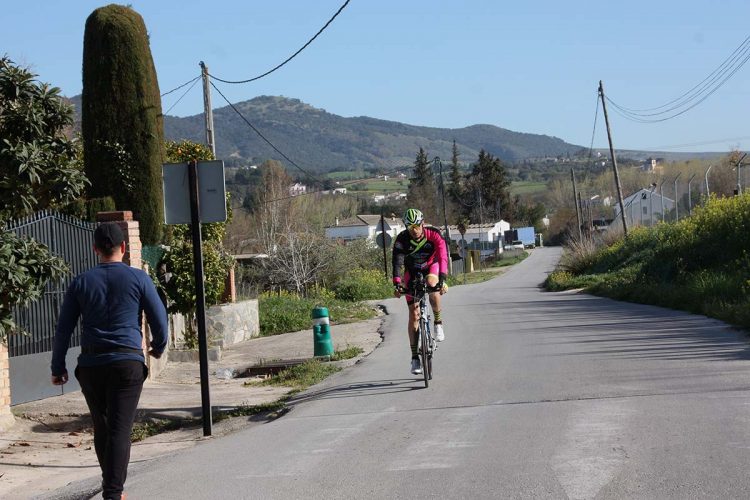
(260, 134)
(183, 95)
(290, 57)
(701, 143)
(716, 82)
(731, 58)
(179, 87)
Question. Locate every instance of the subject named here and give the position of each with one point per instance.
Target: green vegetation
(471, 278)
(300, 377)
(282, 312)
(510, 260)
(148, 428)
(38, 169)
(348, 353)
(700, 264)
(121, 117)
(527, 187)
(363, 284)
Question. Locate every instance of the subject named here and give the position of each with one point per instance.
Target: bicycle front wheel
(424, 351)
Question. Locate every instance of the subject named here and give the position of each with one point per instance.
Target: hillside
(321, 141)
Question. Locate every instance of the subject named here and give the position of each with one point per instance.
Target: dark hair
(107, 237)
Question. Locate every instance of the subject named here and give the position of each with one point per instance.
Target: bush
(363, 284)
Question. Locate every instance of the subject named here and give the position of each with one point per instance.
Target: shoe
(439, 334)
(416, 366)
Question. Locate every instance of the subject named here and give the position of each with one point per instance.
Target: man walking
(110, 299)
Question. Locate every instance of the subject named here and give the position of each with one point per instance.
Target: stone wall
(227, 324)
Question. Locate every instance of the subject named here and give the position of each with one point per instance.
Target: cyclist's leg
(413, 327)
(432, 280)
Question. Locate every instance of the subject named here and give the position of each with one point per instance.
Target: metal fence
(70, 239)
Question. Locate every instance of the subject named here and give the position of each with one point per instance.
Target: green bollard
(322, 345)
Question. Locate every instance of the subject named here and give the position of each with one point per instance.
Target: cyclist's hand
(441, 284)
(396, 292)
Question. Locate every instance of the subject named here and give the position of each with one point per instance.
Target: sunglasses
(414, 226)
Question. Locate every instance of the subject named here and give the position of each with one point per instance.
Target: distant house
(363, 227)
(491, 232)
(652, 165)
(378, 198)
(339, 191)
(297, 189)
(644, 207)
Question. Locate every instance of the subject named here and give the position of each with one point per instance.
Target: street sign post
(194, 193)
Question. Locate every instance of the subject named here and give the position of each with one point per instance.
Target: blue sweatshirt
(110, 298)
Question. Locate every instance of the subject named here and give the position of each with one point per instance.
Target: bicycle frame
(419, 289)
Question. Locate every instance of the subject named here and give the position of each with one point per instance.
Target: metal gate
(31, 352)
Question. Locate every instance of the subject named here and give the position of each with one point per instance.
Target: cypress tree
(122, 123)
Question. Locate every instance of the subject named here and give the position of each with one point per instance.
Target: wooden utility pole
(614, 160)
(207, 112)
(575, 202)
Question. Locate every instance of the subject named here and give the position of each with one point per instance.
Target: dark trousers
(112, 392)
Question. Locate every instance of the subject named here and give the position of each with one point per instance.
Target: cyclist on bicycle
(420, 249)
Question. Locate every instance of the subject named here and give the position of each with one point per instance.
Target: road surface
(535, 395)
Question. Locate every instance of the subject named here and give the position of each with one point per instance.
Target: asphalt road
(535, 395)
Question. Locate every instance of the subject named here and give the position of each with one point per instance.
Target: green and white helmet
(412, 216)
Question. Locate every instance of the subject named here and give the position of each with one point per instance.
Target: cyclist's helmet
(412, 216)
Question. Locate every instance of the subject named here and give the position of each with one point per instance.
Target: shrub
(363, 284)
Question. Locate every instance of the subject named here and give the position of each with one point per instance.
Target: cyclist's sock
(414, 351)
(438, 320)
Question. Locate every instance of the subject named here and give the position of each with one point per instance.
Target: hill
(321, 141)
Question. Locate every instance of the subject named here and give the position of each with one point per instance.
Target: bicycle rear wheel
(424, 351)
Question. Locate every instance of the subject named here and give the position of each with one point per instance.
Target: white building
(297, 189)
(644, 207)
(363, 227)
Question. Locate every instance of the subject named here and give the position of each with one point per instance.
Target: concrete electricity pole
(614, 160)
(207, 112)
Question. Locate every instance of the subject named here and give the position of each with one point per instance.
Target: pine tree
(122, 121)
(422, 192)
(488, 185)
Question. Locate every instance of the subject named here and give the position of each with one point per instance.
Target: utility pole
(480, 229)
(708, 192)
(207, 111)
(382, 233)
(739, 176)
(676, 201)
(614, 160)
(661, 195)
(446, 235)
(575, 202)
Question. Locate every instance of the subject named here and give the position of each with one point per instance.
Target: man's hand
(60, 379)
(154, 354)
(396, 287)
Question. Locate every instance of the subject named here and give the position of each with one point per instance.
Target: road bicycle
(420, 290)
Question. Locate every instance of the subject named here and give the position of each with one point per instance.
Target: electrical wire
(290, 57)
(719, 78)
(260, 134)
(729, 59)
(180, 86)
(183, 95)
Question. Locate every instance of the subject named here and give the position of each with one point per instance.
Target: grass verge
(299, 377)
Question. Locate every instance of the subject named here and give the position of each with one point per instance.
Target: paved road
(536, 395)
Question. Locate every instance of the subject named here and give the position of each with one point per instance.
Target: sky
(530, 67)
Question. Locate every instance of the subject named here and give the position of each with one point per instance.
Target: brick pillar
(132, 234)
(6, 417)
(230, 288)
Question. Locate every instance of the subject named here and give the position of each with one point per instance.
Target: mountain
(320, 141)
